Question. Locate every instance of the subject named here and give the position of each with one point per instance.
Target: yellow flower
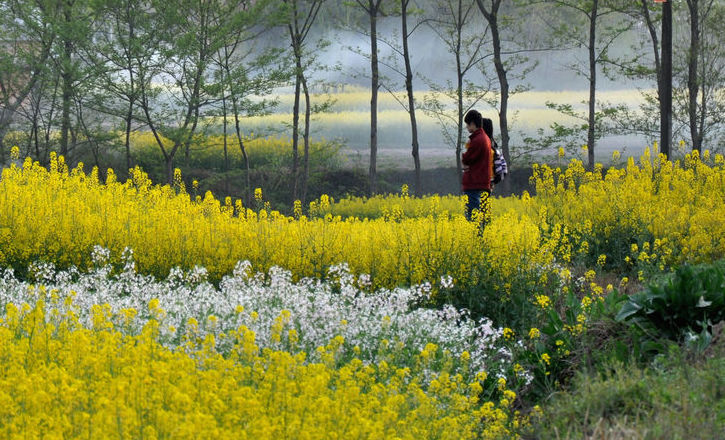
(543, 301)
(15, 153)
(534, 333)
(508, 333)
(546, 358)
(501, 383)
(118, 376)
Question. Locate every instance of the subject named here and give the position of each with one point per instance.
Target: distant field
(350, 121)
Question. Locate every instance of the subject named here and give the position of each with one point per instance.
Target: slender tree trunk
(36, 128)
(703, 107)
(4, 124)
(66, 102)
(33, 140)
(504, 90)
(129, 60)
(666, 95)
(459, 91)
(240, 140)
(296, 117)
(459, 135)
(129, 120)
(67, 78)
(49, 126)
(592, 83)
(226, 149)
(3, 131)
(693, 86)
(656, 50)
(411, 99)
(238, 131)
(8, 107)
(375, 84)
(168, 156)
(492, 19)
(306, 165)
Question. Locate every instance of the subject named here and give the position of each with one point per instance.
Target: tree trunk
(656, 50)
(36, 139)
(129, 60)
(226, 149)
(238, 130)
(592, 83)
(666, 95)
(375, 83)
(129, 120)
(308, 111)
(296, 116)
(411, 100)
(3, 131)
(692, 80)
(4, 125)
(66, 102)
(492, 19)
(33, 141)
(504, 89)
(67, 78)
(49, 125)
(459, 136)
(240, 139)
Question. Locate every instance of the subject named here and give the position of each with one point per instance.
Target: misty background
(209, 87)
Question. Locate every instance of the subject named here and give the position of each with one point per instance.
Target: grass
(679, 396)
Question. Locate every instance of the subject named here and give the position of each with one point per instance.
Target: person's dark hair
(473, 116)
(487, 125)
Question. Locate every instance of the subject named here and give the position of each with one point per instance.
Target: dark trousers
(478, 199)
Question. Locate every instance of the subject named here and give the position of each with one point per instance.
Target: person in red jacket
(477, 165)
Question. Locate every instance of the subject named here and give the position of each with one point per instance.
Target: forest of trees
(80, 76)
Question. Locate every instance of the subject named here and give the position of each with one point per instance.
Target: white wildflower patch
(385, 325)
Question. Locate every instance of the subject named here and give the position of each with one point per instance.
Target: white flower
(315, 307)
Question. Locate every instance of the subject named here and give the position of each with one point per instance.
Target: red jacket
(479, 160)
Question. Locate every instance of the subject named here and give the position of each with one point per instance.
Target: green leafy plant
(682, 307)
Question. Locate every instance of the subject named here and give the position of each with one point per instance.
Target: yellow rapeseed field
(64, 379)
(57, 215)
(662, 213)
(61, 380)
(666, 213)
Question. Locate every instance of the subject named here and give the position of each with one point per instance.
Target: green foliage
(678, 400)
(682, 307)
